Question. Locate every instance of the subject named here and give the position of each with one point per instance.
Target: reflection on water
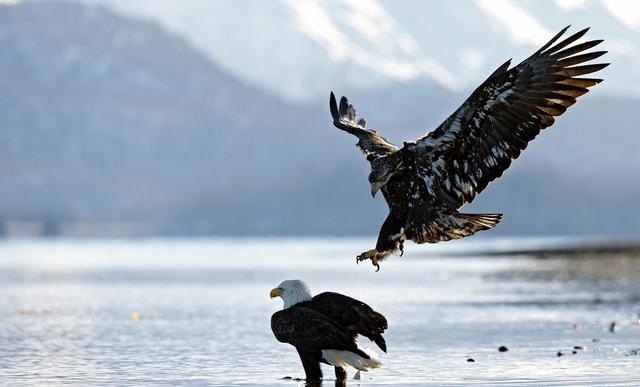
(336, 383)
(196, 313)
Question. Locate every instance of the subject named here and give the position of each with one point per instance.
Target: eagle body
(426, 181)
(414, 212)
(324, 328)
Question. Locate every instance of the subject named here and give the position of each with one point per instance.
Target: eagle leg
(341, 374)
(373, 255)
(399, 238)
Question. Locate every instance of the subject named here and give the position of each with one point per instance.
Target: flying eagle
(427, 180)
(324, 328)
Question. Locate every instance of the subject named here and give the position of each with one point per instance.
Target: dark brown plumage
(324, 328)
(426, 181)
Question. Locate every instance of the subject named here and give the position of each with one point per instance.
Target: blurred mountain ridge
(310, 46)
(117, 125)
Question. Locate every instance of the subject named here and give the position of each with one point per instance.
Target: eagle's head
(382, 170)
(291, 292)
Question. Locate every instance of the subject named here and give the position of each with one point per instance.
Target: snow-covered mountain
(108, 119)
(302, 48)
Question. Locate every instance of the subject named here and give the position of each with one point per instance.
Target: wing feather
(358, 317)
(502, 115)
(369, 141)
(572, 60)
(307, 328)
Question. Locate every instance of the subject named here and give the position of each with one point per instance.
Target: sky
(298, 48)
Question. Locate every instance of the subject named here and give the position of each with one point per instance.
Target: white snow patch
(622, 47)
(313, 19)
(315, 22)
(472, 58)
(570, 5)
(522, 27)
(373, 22)
(625, 11)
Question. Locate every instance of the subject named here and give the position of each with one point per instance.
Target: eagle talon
(372, 255)
(399, 238)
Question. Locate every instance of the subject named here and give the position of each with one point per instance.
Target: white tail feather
(343, 358)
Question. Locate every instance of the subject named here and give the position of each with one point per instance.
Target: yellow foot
(373, 255)
(399, 238)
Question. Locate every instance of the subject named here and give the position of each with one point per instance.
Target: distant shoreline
(630, 249)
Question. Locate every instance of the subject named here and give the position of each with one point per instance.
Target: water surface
(196, 313)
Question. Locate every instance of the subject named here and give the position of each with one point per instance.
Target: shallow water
(196, 313)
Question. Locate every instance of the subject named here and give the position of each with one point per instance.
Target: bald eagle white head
(291, 292)
(324, 328)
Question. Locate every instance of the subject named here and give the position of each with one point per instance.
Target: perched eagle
(427, 180)
(324, 329)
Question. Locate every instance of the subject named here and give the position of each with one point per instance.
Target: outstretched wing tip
(562, 31)
(601, 66)
(344, 105)
(333, 107)
(345, 118)
(507, 111)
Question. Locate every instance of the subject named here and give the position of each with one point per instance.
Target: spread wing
(310, 330)
(369, 141)
(355, 315)
(478, 141)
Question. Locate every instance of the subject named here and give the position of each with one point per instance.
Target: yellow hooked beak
(275, 292)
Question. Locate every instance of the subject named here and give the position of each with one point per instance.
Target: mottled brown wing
(478, 141)
(369, 141)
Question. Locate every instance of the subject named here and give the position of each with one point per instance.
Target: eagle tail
(478, 222)
(454, 225)
(379, 340)
(362, 359)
